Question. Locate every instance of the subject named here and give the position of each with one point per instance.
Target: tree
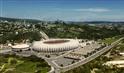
(12, 61)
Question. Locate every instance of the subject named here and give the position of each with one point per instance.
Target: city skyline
(69, 10)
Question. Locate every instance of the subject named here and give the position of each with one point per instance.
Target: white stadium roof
(20, 46)
(55, 45)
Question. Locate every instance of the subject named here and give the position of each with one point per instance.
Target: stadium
(55, 45)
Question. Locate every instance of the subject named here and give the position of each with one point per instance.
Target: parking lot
(78, 54)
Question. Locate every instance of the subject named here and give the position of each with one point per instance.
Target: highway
(59, 69)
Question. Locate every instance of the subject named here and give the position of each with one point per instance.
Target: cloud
(93, 10)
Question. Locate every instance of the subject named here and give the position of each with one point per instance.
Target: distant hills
(19, 19)
(74, 22)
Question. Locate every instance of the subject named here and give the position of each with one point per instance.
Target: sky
(66, 10)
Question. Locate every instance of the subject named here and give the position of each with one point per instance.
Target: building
(118, 63)
(55, 45)
(20, 47)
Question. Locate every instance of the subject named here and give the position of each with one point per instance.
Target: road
(44, 35)
(5, 50)
(59, 69)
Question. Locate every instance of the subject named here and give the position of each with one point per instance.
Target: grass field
(110, 40)
(14, 64)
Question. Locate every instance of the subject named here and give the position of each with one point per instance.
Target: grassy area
(110, 40)
(14, 64)
(120, 46)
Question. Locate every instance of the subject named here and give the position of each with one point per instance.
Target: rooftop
(55, 41)
(20, 46)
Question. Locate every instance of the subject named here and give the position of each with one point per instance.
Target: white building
(55, 45)
(20, 47)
